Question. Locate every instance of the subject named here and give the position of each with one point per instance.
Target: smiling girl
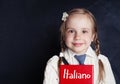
(78, 33)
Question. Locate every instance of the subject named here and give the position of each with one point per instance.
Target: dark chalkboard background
(29, 35)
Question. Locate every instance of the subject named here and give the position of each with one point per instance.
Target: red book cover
(76, 74)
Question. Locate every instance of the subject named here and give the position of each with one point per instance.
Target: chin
(76, 51)
(80, 51)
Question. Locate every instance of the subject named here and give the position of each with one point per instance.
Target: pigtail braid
(101, 66)
(97, 45)
(101, 71)
(62, 43)
(60, 58)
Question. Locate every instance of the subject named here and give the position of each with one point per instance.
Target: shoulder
(51, 71)
(53, 61)
(103, 58)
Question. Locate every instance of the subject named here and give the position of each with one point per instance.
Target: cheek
(90, 36)
(68, 37)
(89, 39)
(68, 40)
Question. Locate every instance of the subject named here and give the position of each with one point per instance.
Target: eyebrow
(86, 28)
(69, 28)
(81, 28)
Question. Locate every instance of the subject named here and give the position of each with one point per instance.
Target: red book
(76, 74)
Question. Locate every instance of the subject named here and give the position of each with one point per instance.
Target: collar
(90, 52)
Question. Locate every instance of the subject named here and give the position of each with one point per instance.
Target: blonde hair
(95, 41)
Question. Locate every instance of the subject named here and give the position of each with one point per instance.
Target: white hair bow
(64, 17)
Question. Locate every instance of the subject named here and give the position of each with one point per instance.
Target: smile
(77, 44)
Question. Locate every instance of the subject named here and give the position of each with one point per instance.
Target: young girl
(78, 33)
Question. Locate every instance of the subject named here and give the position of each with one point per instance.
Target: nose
(77, 36)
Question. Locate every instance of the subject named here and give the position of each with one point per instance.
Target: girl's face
(79, 33)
